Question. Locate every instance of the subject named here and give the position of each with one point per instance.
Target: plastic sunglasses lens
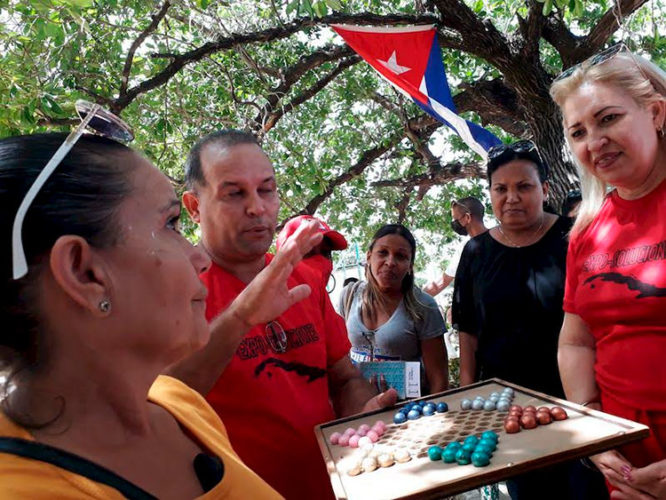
(496, 151)
(110, 129)
(567, 72)
(105, 123)
(276, 337)
(599, 58)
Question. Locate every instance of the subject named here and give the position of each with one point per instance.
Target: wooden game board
(585, 432)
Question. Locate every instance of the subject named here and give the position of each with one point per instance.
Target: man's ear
(546, 187)
(79, 272)
(191, 202)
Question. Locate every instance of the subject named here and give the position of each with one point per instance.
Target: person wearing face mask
(319, 259)
(388, 318)
(466, 219)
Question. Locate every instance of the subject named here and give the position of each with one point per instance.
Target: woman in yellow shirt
(99, 294)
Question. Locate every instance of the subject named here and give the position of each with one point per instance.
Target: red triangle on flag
(399, 55)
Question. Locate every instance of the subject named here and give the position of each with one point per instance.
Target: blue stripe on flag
(438, 90)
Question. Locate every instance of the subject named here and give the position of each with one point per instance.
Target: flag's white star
(393, 65)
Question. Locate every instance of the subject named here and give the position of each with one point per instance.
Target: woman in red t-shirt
(613, 339)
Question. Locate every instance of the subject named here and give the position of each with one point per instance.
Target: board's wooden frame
(632, 431)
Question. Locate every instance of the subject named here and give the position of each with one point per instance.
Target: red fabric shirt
(271, 401)
(616, 282)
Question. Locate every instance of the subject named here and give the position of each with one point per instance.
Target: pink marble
(344, 440)
(364, 427)
(335, 437)
(374, 437)
(378, 429)
(350, 431)
(380, 423)
(353, 440)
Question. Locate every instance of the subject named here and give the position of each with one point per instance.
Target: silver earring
(104, 305)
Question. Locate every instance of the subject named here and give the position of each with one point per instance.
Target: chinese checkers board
(432, 447)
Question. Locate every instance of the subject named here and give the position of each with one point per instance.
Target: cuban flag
(410, 59)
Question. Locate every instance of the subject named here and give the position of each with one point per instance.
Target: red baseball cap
(339, 242)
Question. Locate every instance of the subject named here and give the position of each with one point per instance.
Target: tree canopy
(345, 145)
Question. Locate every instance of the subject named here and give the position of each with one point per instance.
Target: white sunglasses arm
(20, 266)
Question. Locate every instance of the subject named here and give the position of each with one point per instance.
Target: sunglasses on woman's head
(517, 147)
(97, 120)
(599, 58)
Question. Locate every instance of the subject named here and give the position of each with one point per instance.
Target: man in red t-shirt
(277, 362)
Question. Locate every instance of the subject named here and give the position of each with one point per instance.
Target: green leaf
(320, 8)
(27, 115)
(334, 4)
(51, 105)
(306, 6)
(547, 7)
(294, 6)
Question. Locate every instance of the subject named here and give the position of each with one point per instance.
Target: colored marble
(399, 418)
(480, 459)
(428, 411)
(414, 414)
(449, 456)
(463, 457)
(489, 405)
(471, 439)
(489, 435)
(477, 404)
(374, 437)
(442, 407)
(435, 453)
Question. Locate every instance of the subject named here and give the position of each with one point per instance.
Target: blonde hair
(641, 79)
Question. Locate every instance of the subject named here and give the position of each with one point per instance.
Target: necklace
(513, 243)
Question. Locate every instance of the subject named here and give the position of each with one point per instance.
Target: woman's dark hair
(498, 156)
(573, 198)
(372, 296)
(81, 197)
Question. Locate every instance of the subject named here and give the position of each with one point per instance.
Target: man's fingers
(383, 384)
(299, 292)
(387, 398)
(304, 239)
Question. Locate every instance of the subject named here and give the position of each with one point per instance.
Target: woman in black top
(507, 301)
(510, 281)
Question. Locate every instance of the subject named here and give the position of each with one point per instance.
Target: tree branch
(137, 43)
(267, 35)
(610, 22)
(481, 37)
(403, 204)
(355, 170)
(574, 49)
(268, 122)
(99, 99)
(495, 103)
(291, 75)
(440, 175)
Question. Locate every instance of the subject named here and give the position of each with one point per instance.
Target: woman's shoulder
(424, 298)
(28, 478)
(184, 403)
